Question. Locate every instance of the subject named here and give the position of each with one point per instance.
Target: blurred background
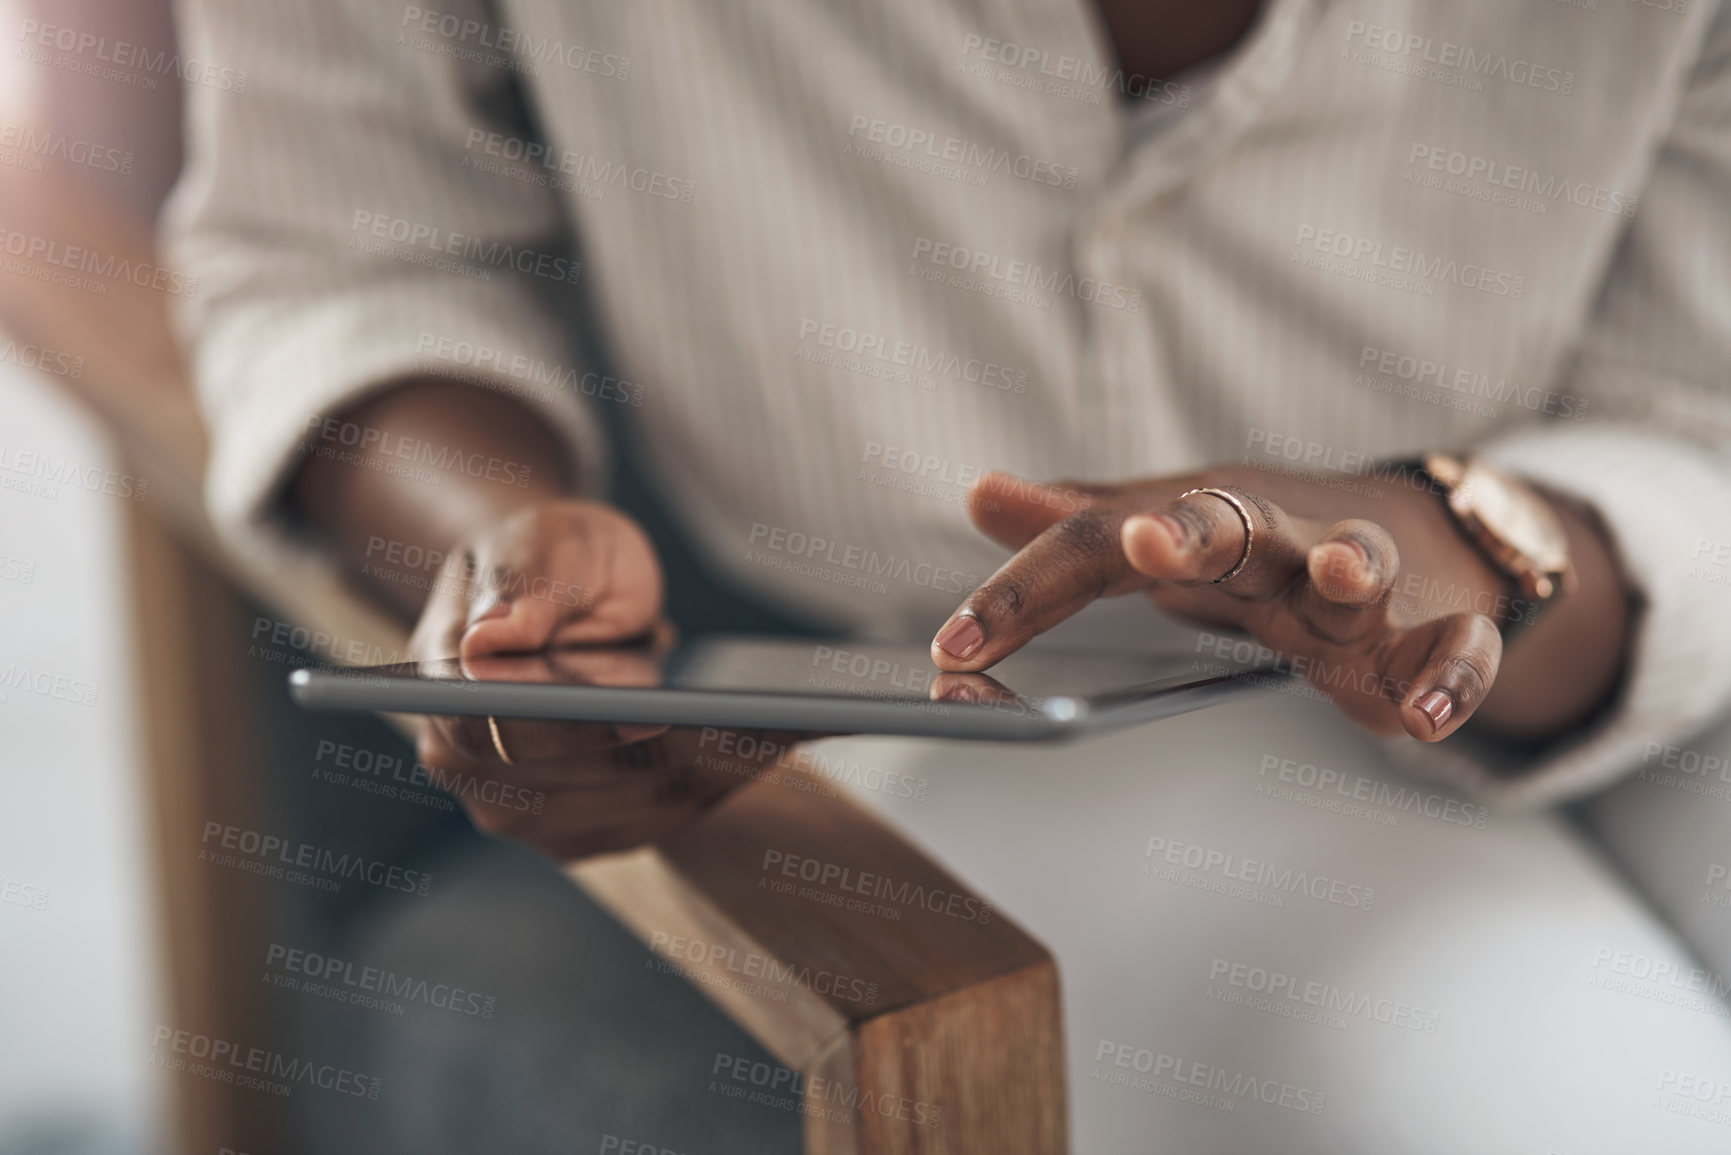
(79, 964)
(142, 699)
(126, 681)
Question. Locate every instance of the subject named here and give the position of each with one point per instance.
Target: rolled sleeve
(284, 376)
(1654, 459)
(344, 241)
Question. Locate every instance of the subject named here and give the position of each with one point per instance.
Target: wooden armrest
(910, 1015)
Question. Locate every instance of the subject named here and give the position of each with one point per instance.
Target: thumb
(500, 623)
(588, 576)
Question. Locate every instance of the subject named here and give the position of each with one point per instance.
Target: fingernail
(1437, 706)
(1168, 525)
(637, 731)
(1359, 562)
(1351, 567)
(961, 638)
(1174, 529)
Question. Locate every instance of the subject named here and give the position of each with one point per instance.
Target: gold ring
(498, 742)
(1244, 516)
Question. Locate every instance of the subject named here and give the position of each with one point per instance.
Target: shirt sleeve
(363, 209)
(1653, 456)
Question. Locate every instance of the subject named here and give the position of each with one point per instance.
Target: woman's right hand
(557, 574)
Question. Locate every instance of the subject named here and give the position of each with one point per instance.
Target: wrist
(418, 467)
(1559, 673)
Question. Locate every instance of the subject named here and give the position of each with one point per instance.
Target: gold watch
(1513, 527)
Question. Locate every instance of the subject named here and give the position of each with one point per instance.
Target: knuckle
(1337, 625)
(1377, 544)
(1200, 519)
(1074, 496)
(1086, 534)
(1468, 675)
(1005, 596)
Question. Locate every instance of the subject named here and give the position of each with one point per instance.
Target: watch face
(1515, 515)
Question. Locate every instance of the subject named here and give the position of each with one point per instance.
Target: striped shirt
(837, 259)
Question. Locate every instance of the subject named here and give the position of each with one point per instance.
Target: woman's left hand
(1366, 587)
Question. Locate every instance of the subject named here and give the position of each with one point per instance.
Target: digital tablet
(794, 684)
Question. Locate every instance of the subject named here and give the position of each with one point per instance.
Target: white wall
(79, 981)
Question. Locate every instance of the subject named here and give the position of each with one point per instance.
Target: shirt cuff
(1667, 508)
(267, 387)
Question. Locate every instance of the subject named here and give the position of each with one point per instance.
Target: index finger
(1063, 569)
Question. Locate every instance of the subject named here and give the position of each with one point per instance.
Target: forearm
(354, 499)
(1554, 675)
